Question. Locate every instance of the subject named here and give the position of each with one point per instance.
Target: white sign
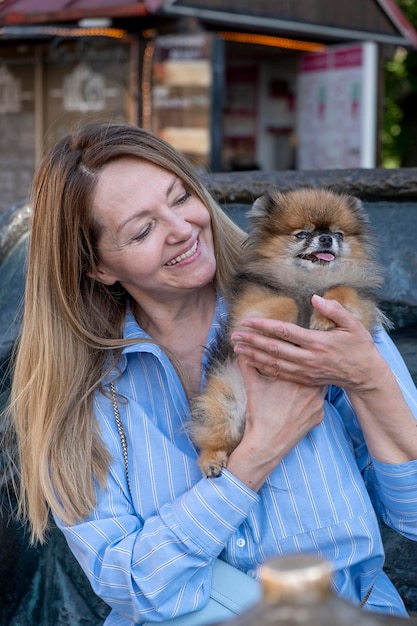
(84, 90)
(337, 108)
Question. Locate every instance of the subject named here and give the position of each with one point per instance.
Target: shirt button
(240, 543)
(251, 573)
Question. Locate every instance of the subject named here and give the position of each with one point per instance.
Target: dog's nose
(326, 240)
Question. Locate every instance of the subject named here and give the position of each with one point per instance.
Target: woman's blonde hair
(72, 321)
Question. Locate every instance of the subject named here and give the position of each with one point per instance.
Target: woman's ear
(101, 275)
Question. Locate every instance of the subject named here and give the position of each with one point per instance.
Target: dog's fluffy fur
(300, 243)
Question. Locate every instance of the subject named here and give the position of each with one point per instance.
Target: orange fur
(300, 243)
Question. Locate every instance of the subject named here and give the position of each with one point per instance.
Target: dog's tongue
(324, 256)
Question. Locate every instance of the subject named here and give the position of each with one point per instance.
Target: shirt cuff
(397, 484)
(210, 513)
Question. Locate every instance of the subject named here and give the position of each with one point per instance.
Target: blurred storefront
(219, 80)
(48, 86)
(183, 89)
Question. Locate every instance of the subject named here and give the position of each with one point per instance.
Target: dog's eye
(302, 235)
(338, 236)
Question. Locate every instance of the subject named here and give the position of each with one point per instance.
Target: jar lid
(302, 579)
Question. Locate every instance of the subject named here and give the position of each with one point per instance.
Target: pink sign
(336, 108)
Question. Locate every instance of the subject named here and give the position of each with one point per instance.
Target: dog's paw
(211, 464)
(319, 322)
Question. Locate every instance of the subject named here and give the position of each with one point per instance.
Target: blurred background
(271, 92)
(236, 85)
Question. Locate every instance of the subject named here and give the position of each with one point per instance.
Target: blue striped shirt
(146, 554)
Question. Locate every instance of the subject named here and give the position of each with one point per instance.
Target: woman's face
(156, 237)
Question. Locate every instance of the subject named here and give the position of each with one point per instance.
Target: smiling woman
(130, 269)
(156, 242)
(155, 236)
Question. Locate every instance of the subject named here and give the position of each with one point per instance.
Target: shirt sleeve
(392, 487)
(397, 493)
(148, 550)
(158, 568)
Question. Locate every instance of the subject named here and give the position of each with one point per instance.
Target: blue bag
(232, 592)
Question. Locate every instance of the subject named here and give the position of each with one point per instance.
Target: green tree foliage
(399, 134)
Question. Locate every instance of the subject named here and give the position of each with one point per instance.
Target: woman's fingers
(314, 357)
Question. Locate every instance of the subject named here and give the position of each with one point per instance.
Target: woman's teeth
(187, 254)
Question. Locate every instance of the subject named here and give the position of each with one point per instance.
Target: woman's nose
(179, 229)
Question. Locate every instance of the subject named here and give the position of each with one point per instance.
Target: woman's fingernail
(318, 298)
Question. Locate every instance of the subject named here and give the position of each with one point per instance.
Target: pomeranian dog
(300, 243)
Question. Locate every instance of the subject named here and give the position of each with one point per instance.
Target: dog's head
(311, 228)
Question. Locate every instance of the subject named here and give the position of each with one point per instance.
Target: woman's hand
(279, 414)
(344, 356)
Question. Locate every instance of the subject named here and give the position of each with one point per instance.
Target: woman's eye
(183, 198)
(302, 235)
(143, 233)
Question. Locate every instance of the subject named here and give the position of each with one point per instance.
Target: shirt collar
(132, 330)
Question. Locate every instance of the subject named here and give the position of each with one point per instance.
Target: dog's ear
(355, 204)
(358, 210)
(262, 206)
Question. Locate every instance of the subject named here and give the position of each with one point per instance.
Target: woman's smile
(185, 255)
(152, 227)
